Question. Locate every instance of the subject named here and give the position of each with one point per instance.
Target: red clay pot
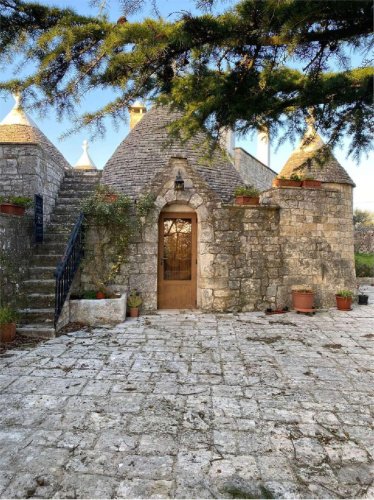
(111, 198)
(302, 301)
(247, 200)
(309, 183)
(8, 332)
(286, 183)
(100, 295)
(11, 209)
(343, 303)
(134, 312)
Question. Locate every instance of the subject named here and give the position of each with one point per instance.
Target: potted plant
(134, 301)
(344, 300)
(363, 298)
(101, 292)
(245, 195)
(310, 182)
(293, 181)
(14, 205)
(8, 318)
(302, 298)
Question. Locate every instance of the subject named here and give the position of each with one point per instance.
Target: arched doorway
(177, 260)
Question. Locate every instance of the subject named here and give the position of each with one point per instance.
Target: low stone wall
(16, 239)
(253, 172)
(364, 240)
(26, 170)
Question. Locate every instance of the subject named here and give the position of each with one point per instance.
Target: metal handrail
(67, 268)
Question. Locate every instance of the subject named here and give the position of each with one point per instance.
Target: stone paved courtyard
(193, 405)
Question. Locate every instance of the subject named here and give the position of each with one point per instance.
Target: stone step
(40, 272)
(70, 218)
(43, 316)
(67, 209)
(68, 201)
(92, 179)
(75, 195)
(51, 248)
(36, 331)
(39, 286)
(63, 227)
(44, 260)
(62, 237)
(41, 300)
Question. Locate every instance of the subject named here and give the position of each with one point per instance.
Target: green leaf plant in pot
(134, 301)
(245, 195)
(344, 300)
(14, 205)
(8, 318)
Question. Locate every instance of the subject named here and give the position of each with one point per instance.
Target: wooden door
(177, 261)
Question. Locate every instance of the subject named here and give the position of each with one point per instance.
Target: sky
(101, 148)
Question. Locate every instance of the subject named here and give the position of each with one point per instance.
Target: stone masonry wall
(242, 264)
(239, 260)
(248, 257)
(26, 170)
(16, 235)
(253, 172)
(316, 237)
(364, 240)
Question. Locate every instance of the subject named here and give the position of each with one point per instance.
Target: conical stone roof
(18, 128)
(146, 152)
(303, 161)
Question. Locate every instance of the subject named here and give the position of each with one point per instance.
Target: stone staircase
(37, 318)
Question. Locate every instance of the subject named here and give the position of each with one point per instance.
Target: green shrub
(344, 293)
(246, 191)
(7, 315)
(295, 177)
(134, 299)
(89, 295)
(21, 201)
(364, 265)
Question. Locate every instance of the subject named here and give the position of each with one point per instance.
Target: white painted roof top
(16, 115)
(85, 161)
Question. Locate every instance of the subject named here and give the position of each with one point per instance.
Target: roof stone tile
(146, 151)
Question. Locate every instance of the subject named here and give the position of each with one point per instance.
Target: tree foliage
(259, 63)
(363, 218)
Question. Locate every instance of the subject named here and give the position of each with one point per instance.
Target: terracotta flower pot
(134, 312)
(100, 295)
(311, 183)
(8, 332)
(343, 303)
(11, 209)
(111, 198)
(247, 200)
(286, 183)
(302, 301)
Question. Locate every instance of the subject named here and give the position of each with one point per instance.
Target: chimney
(137, 110)
(263, 146)
(227, 141)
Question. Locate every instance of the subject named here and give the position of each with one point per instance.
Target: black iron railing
(38, 219)
(66, 269)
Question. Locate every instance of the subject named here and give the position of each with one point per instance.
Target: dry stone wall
(316, 237)
(364, 240)
(26, 170)
(15, 250)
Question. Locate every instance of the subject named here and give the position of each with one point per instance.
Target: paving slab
(191, 405)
